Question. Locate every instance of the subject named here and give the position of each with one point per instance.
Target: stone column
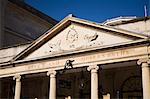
(145, 77)
(94, 81)
(52, 89)
(17, 87)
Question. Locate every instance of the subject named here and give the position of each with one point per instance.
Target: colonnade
(94, 81)
(52, 89)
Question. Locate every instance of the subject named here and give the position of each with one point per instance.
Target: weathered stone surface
(77, 37)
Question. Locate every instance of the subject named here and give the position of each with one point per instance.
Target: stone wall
(8, 53)
(2, 7)
(21, 23)
(141, 27)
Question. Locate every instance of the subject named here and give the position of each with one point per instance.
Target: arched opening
(132, 88)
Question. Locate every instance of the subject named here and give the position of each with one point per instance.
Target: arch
(132, 87)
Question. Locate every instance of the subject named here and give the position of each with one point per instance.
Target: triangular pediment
(76, 36)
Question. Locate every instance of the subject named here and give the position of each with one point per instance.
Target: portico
(105, 63)
(35, 67)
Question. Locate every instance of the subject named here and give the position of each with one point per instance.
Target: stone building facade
(79, 59)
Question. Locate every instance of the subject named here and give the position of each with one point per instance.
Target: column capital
(17, 77)
(143, 60)
(51, 73)
(93, 68)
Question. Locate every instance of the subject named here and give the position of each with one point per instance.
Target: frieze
(42, 66)
(88, 58)
(97, 57)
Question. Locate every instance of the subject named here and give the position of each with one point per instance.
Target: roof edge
(34, 11)
(131, 21)
(127, 32)
(62, 24)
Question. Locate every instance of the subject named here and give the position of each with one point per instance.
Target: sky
(93, 10)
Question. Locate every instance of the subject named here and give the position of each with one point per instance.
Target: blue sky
(93, 10)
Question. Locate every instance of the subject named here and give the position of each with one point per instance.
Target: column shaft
(94, 81)
(146, 80)
(52, 89)
(94, 85)
(17, 87)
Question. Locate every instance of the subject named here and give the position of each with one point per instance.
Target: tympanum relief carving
(77, 37)
(74, 39)
(91, 39)
(54, 47)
